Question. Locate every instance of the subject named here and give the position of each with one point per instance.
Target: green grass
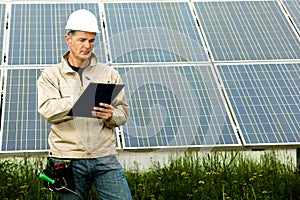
(214, 175)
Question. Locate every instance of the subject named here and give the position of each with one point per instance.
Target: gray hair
(71, 32)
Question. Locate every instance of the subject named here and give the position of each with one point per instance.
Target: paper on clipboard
(94, 94)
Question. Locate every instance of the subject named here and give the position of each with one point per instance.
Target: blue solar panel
(37, 33)
(2, 24)
(23, 128)
(153, 32)
(175, 106)
(266, 101)
(293, 7)
(247, 30)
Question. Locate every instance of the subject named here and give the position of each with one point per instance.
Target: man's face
(81, 44)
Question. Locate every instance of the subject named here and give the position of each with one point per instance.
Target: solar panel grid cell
(23, 128)
(152, 32)
(37, 32)
(2, 24)
(175, 106)
(266, 110)
(247, 30)
(292, 7)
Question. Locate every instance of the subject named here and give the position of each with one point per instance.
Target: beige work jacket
(78, 137)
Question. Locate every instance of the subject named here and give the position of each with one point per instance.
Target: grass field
(211, 176)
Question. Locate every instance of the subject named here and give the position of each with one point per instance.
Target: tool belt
(60, 171)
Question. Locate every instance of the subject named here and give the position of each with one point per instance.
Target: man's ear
(68, 40)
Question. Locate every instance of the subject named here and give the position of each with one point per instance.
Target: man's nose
(87, 44)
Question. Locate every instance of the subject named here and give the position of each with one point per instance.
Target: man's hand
(104, 112)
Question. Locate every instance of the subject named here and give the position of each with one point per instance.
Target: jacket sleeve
(51, 105)
(121, 108)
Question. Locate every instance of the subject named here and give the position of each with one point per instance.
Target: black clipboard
(94, 94)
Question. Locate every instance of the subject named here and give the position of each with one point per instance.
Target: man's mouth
(85, 52)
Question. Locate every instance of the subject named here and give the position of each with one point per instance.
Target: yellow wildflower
(264, 192)
(184, 174)
(24, 187)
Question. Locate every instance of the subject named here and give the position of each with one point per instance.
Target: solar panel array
(197, 73)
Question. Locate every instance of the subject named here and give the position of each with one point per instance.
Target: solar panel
(2, 24)
(37, 32)
(247, 30)
(142, 32)
(265, 100)
(293, 7)
(23, 128)
(175, 106)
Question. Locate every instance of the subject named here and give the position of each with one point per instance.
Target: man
(88, 142)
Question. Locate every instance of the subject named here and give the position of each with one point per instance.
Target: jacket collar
(67, 69)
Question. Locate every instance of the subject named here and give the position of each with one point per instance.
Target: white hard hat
(82, 20)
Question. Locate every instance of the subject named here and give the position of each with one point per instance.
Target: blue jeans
(107, 176)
